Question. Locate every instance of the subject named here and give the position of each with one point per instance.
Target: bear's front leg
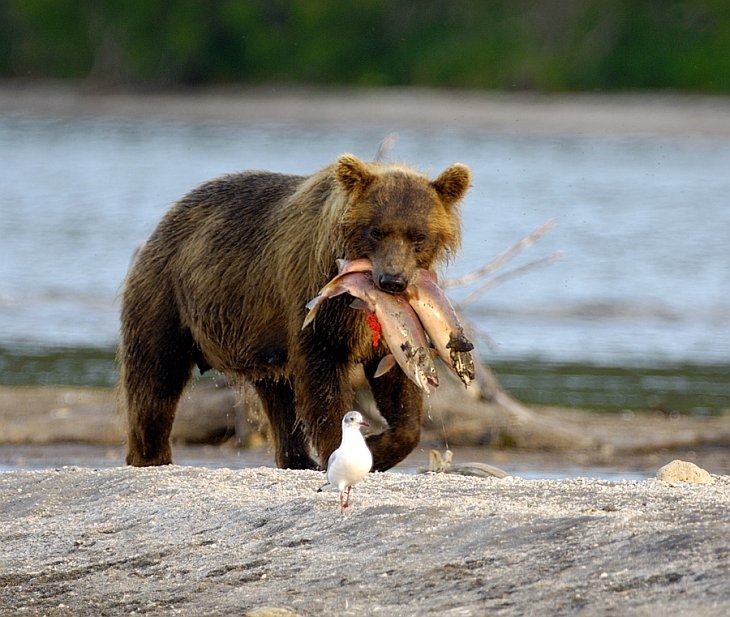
(323, 391)
(277, 397)
(400, 402)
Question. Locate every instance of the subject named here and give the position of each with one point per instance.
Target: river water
(643, 224)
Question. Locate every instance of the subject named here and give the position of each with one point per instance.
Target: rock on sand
(683, 471)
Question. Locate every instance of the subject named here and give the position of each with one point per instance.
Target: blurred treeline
(550, 45)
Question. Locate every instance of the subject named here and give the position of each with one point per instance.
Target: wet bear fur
(223, 282)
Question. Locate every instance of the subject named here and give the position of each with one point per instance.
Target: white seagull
(352, 461)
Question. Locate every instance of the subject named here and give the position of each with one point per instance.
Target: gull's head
(353, 419)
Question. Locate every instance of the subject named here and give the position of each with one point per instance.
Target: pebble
(683, 471)
(271, 611)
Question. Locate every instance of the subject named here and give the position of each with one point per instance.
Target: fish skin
(439, 319)
(406, 339)
(363, 264)
(401, 328)
(334, 286)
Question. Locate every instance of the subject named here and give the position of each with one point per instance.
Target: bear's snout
(392, 283)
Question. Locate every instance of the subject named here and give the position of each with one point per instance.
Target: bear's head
(398, 218)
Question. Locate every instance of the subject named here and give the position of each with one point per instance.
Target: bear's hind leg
(290, 442)
(154, 373)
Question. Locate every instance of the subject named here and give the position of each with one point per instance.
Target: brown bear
(223, 282)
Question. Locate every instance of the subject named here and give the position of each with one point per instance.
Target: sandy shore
(391, 109)
(200, 540)
(196, 540)
(208, 542)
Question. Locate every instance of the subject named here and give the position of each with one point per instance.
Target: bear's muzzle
(392, 283)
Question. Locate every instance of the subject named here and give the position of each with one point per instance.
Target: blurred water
(14, 457)
(643, 223)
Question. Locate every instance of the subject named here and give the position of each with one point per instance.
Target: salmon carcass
(400, 326)
(404, 318)
(442, 325)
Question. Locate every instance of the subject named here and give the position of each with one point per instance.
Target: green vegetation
(673, 388)
(685, 388)
(549, 45)
(39, 366)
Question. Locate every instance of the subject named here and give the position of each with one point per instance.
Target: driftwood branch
(453, 415)
(501, 278)
(501, 259)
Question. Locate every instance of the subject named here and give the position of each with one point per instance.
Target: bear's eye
(377, 234)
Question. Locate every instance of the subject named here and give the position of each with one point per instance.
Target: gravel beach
(194, 541)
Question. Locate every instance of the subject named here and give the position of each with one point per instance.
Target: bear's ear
(453, 183)
(352, 173)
